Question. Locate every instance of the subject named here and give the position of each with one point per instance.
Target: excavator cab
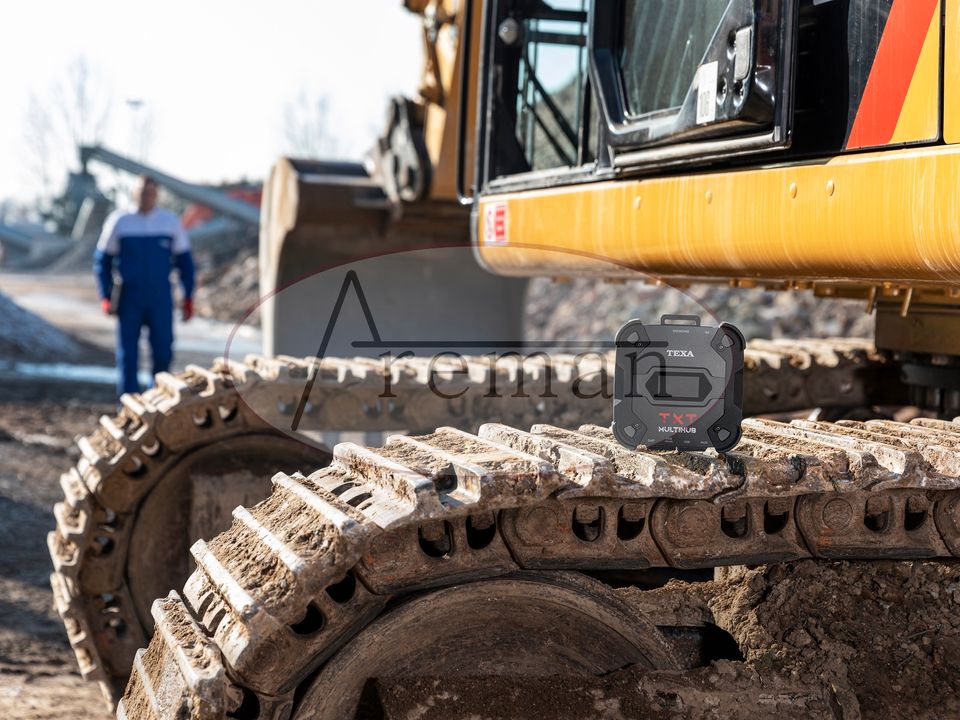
(754, 143)
(587, 90)
(577, 91)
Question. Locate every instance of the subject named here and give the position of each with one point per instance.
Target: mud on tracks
(885, 635)
(820, 640)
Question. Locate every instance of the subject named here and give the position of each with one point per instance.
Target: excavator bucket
(322, 220)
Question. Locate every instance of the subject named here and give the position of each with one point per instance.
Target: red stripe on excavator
(892, 71)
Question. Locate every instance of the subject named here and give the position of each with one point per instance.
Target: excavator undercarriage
(167, 471)
(390, 549)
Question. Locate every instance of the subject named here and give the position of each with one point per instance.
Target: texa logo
(680, 353)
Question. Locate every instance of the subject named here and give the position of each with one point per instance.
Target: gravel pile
(587, 309)
(227, 291)
(25, 337)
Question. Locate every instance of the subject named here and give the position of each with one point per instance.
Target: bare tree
(38, 138)
(141, 129)
(13, 211)
(83, 104)
(74, 111)
(145, 135)
(306, 127)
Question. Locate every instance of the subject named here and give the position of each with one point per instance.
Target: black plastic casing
(678, 385)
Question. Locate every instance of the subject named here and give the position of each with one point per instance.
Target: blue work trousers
(134, 314)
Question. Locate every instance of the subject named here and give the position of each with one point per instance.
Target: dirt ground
(819, 640)
(38, 673)
(884, 636)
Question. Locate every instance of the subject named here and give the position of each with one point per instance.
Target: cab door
(581, 89)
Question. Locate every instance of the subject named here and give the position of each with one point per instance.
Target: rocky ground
(884, 636)
(38, 673)
(39, 421)
(227, 291)
(588, 309)
(25, 337)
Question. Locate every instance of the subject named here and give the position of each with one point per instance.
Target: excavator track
(103, 596)
(272, 622)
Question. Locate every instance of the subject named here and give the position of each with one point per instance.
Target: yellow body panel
(875, 217)
(951, 73)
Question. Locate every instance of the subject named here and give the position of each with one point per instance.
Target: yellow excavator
(796, 145)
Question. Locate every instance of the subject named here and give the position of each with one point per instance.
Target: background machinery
(734, 141)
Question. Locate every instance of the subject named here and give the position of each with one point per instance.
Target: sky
(213, 78)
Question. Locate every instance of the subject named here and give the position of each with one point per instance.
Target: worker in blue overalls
(132, 263)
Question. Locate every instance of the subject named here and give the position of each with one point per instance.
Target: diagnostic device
(678, 385)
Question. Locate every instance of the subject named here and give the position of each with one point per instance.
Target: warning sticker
(495, 224)
(707, 92)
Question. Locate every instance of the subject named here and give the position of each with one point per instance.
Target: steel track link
(263, 621)
(131, 455)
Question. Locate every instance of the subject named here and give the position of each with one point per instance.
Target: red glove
(187, 309)
(105, 305)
